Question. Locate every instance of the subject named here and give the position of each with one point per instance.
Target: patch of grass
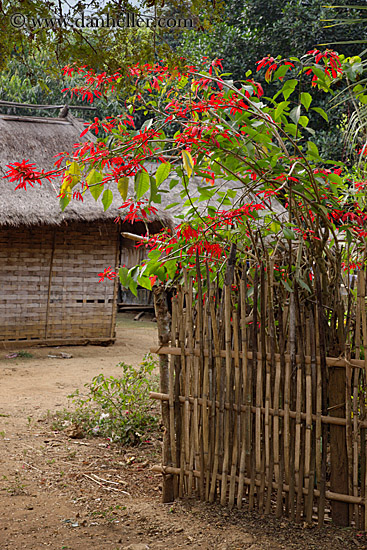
(118, 408)
(15, 487)
(24, 354)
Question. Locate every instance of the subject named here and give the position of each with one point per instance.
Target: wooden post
(334, 390)
(338, 445)
(164, 330)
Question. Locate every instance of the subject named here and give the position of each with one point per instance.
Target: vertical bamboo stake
(187, 407)
(281, 448)
(177, 393)
(247, 393)
(228, 346)
(284, 367)
(292, 367)
(254, 367)
(181, 390)
(308, 435)
(286, 427)
(265, 462)
(270, 368)
(163, 324)
(356, 406)
(348, 426)
(298, 462)
(198, 379)
(209, 376)
(318, 406)
(237, 419)
(323, 384)
(221, 396)
(171, 402)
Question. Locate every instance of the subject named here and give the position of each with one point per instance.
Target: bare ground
(64, 493)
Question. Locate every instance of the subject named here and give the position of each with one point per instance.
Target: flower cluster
(107, 273)
(272, 65)
(24, 173)
(138, 211)
(332, 64)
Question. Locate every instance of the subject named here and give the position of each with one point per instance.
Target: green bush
(118, 408)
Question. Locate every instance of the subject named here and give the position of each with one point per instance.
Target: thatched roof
(39, 139)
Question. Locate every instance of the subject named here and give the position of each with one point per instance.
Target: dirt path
(61, 493)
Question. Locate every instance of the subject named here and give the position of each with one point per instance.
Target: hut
(49, 259)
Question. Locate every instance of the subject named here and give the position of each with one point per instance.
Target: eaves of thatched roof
(38, 140)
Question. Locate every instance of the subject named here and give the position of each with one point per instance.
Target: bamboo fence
(265, 397)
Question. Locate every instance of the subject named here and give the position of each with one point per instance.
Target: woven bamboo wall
(257, 412)
(49, 285)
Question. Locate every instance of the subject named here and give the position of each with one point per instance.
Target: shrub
(118, 407)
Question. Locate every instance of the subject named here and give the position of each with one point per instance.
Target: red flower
(24, 172)
(107, 273)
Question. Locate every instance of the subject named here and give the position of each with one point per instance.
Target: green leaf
(349, 236)
(123, 187)
(289, 234)
(335, 179)
(275, 227)
(303, 121)
(72, 177)
(162, 172)
(147, 124)
(123, 275)
(173, 183)
(321, 112)
(295, 114)
(145, 282)
(64, 201)
(107, 198)
(280, 109)
(142, 183)
(306, 100)
(93, 179)
(206, 193)
(312, 150)
(287, 286)
(281, 71)
(133, 286)
(154, 195)
(188, 162)
(171, 267)
(289, 87)
(74, 169)
(154, 254)
(291, 129)
(303, 284)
